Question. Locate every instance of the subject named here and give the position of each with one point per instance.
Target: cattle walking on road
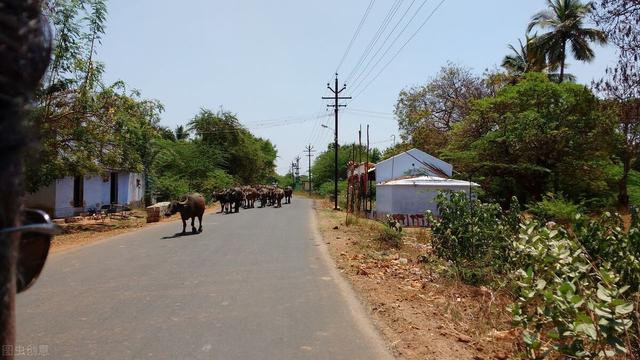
(288, 192)
(191, 207)
(269, 195)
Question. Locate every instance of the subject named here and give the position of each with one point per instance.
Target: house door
(78, 191)
(114, 188)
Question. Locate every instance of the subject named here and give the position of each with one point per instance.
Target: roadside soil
(421, 311)
(89, 231)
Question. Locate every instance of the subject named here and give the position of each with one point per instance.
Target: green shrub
(555, 208)
(389, 236)
(566, 305)
(171, 187)
(326, 189)
(607, 242)
(474, 236)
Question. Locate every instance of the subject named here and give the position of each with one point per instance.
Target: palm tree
(181, 133)
(525, 59)
(565, 19)
(529, 58)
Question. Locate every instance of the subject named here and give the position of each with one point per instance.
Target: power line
(371, 112)
(385, 22)
(401, 48)
(242, 127)
(395, 40)
(323, 139)
(355, 80)
(355, 35)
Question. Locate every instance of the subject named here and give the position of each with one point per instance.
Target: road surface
(253, 285)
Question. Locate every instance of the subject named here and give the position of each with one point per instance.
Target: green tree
(524, 58)
(621, 86)
(565, 19)
(323, 166)
(181, 133)
(248, 158)
(534, 137)
(426, 114)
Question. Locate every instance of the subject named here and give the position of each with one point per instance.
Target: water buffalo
(224, 198)
(236, 198)
(251, 195)
(278, 195)
(288, 192)
(190, 208)
(264, 197)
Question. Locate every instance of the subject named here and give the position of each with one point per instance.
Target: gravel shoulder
(421, 312)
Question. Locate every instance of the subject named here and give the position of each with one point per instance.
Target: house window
(78, 191)
(114, 187)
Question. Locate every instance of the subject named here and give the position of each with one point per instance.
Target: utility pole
(309, 150)
(336, 106)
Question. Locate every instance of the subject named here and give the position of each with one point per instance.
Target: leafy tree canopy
(533, 137)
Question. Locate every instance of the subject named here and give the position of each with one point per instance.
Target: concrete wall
(404, 164)
(128, 191)
(96, 191)
(409, 199)
(64, 198)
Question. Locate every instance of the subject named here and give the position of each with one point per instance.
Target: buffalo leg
(184, 226)
(200, 222)
(193, 226)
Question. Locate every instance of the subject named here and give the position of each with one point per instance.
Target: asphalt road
(253, 285)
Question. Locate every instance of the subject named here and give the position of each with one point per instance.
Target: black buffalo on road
(191, 207)
(288, 191)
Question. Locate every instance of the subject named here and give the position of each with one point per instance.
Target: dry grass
(89, 231)
(422, 312)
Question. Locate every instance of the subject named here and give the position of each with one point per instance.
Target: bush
(555, 208)
(607, 242)
(389, 236)
(171, 187)
(566, 305)
(474, 236)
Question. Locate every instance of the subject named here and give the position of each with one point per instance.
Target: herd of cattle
(232, 199)
(193, 205)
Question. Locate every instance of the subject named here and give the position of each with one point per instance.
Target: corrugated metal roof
(428, 181)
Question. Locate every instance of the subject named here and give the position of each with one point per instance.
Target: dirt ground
(89, 231)
(422, 312)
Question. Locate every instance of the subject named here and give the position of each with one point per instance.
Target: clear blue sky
(269, 61)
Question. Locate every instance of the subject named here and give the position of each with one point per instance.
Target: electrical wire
(385, 22)
(395, 40)
(371, 112)
(355, 80)
(355, 35)
(399, 50)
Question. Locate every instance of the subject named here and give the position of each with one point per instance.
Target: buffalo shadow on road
(180, 234)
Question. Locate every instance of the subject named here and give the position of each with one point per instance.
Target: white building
(407, 184)
(412, 163)
(414, 196)
(72, 195)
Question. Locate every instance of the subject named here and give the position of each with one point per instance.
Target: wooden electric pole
(309, 150)
(336, 106)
